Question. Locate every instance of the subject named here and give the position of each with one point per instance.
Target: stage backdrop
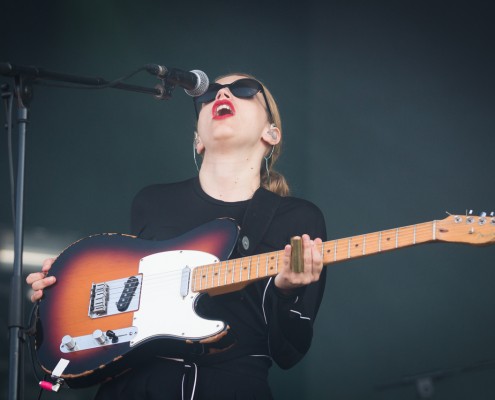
(388, 120)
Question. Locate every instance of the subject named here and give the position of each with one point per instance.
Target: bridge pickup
(127, 294)
(115, 297)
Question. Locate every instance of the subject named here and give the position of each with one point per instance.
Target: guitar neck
(378, 242)
(231, 275)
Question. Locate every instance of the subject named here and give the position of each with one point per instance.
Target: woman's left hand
(287, 280)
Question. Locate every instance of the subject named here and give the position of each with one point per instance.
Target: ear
(198, 144)
(272, 135)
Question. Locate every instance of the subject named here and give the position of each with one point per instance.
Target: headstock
(467, 229)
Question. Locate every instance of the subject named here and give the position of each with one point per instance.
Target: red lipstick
(222, 109)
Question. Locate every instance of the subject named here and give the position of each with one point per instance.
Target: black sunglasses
(244, 88)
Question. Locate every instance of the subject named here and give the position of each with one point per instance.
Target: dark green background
(388, 112)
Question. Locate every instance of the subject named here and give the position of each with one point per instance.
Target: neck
(230, 178)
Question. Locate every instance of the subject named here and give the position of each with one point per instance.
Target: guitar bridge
(115, 297)
(99, 299)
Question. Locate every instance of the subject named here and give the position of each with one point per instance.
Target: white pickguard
(162, 309)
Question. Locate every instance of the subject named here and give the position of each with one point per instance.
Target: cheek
(203, 118)
(258, 108)
(255, 116)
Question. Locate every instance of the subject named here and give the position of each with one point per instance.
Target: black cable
(82, 86)
(30, 332)
(8, 97)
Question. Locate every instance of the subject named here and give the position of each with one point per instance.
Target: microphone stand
(24, 78)
(16, 335)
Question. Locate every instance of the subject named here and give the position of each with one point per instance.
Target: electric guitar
(117, 296)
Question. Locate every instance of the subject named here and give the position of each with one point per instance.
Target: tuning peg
(470, 212)
(492, 214)
(483, 214)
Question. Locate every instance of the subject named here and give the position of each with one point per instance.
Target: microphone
(195, 82)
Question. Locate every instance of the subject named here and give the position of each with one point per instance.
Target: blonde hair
(271, 180)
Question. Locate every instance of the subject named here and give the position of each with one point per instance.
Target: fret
(219, 274)
(202, 276)
(225, 274)
(215, 274)
(205, 277)
(210, 276)
(387, 242)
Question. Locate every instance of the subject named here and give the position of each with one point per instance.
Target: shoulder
(296, 216)
(297, 206)
(156, 209)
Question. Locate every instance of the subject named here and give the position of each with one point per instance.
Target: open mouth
(223, 109)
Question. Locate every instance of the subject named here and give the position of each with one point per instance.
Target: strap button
(245, 242)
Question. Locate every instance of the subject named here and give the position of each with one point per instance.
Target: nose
(223, 93)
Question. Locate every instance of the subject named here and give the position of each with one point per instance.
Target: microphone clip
(165, 89)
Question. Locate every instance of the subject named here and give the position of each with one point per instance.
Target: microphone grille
(201, 85)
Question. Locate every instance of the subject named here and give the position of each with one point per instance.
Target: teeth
(222, 107)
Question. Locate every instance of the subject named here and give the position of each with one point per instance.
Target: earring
(196, 138)
(195, 143)
(272, 132)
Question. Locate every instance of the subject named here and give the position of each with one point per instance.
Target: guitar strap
(259, 214)
(257, 218)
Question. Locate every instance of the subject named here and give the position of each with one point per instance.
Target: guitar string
(219, 272)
